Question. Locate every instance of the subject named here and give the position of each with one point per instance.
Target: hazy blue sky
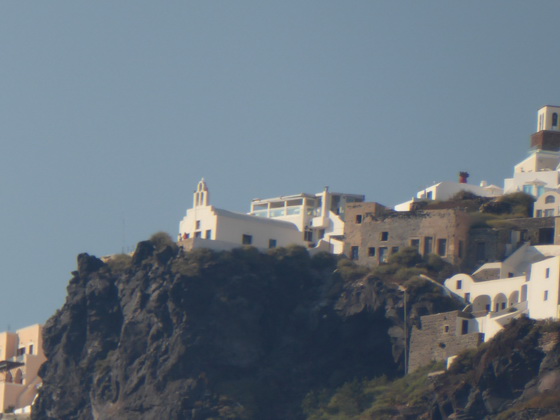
(111, 111)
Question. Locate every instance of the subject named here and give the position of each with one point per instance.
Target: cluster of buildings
(514, 268)
(507, 271)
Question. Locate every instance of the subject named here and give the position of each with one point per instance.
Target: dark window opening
(371, 252)
(272, 243)
(428, 245)
(415, 243)
(468, 297)
(197, 224)
(247, 239)
(442, 247)
(464, 327)
(459, 284)
(383, 254)
(198, 234)
(355, 253)
(546, 236)
(208, 234)
(358, 218)
(554, 119)
(308, 235)
(394, 250)
(384, 236)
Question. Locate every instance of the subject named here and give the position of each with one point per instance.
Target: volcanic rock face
(514, 376)
(232, 335)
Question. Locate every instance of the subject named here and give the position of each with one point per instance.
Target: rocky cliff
(231, 335)
(514, 376)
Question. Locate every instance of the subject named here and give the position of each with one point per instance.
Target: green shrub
(162, 239)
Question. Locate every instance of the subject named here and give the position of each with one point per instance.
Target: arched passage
(500, 302)
(513, 298)
(482, 303)
(18, 379)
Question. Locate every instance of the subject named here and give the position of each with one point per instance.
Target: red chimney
(463, 177)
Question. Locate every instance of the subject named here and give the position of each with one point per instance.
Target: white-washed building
(205, 226)
(527, 282)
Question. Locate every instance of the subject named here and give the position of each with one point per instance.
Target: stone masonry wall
(371, 238)
(433, 341)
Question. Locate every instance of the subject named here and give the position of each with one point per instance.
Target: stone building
(441, 336)
(373, 233)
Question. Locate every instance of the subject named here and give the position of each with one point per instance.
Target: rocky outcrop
(199, 335)
(514, 376)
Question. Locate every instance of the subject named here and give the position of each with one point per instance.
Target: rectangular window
(355, 253)
(197, 224)
(272, 243)
(371, 252)
(208, 234)
(198, 234)
(549, 213)
(547, 273)
(539, 213)
(415, 243)
(308, 235)
(20, 351)
(546, 295)
(460, 253)
(187, 235)
(510, 275)
(528, 189)
(459, 284)
(247, 239)
(383, 254)
(428, 245)
(31, 349)
(442, 247)
(358, 218)
(446, 328)
(384, 236)
(540, 191)
(394, 250)
(320, 233)
(468, 297)
(464, 327)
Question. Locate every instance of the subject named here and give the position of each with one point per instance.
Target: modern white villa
(320, 217)
(527, 282)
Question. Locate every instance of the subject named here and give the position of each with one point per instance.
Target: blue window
(540, 191)
(528, 189)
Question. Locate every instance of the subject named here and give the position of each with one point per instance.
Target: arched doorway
(482, 303)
